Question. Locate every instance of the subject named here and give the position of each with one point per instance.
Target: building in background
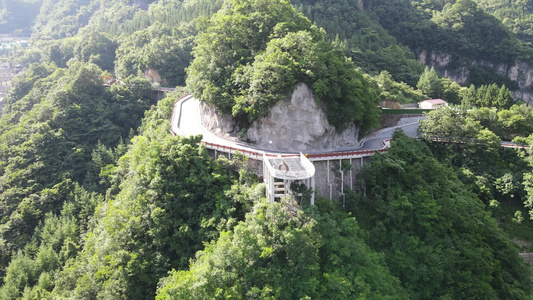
(432, 104)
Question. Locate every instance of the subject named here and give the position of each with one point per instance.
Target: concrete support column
(342, 176)
(351, 175)
(271, 187)
(342, 182)
(313, 194)
(327, 170)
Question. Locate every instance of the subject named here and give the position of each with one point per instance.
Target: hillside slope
(95, 205)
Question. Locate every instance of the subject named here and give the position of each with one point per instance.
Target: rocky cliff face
(154, 76)
(295, 124)
(520, 72)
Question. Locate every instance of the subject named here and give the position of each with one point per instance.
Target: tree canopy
(433, 230)
(95, 204)
(251, 54)
(280, 252)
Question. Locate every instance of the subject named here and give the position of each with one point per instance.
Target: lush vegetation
(54, 122)
(99, 201)
(399, 92)
(251, 54)
(168, 198)
(459, 28)
(350, 25)
(16, 16)
(515, 14)
(281, 252)
(433, 230)
(469, 139)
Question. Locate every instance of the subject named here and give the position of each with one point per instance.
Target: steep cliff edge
(520, 72)
(295, 124)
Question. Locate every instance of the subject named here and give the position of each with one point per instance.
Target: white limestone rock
(521, 72)
(299, 124)
(295, 124)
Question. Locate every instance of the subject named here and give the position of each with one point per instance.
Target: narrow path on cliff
(186, 120)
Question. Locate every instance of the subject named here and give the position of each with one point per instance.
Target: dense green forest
(98, 200)
(515, 14)
(17, 16)
(269, 49)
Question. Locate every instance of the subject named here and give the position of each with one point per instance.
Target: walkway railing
(258, 154)
(320, 156)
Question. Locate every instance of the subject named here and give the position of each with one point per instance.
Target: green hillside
(98, 200)
(515, 14)
(17, 16)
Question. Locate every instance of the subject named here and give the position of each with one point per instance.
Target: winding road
(186, 121)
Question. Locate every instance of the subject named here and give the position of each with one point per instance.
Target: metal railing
(258, 154)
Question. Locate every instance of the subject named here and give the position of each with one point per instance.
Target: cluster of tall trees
(433, 230)
(469, 139)
(350, 25)
(251, 55)
(488, 96)
(159, 48)
(54, 122)
(434, 86)
(514, 14)
(455, 27)
(281, 252)
(16, 16)
(400, 92)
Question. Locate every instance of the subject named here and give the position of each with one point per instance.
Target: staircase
(280, 191)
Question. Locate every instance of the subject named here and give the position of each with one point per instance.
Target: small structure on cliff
(288, 175)
(432, 104)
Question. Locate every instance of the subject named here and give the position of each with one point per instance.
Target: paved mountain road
(186, 121)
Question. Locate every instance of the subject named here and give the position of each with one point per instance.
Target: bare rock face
(519, 71)
(220, 124)
(154, 76)
(295, 124)
(298, 124)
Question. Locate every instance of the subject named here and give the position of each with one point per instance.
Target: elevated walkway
(288, 174)
(280, 172)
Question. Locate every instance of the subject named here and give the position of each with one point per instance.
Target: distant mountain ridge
(16, 16)
(480, 37)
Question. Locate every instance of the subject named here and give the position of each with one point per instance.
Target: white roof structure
(280, 170)
(432, 104)
(290, 168)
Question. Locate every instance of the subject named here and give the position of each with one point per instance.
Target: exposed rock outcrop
(220, 124)
(154, 76)
(520, 72)
(361, 5)
(295, 124)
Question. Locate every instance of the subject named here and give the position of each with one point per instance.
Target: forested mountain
(354, 27)
(99, 200)
(17, 16)
(515, 14)
(415, 205)
(269, 49)
(376, 35)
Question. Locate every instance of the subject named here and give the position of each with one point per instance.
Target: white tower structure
(280, 171)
